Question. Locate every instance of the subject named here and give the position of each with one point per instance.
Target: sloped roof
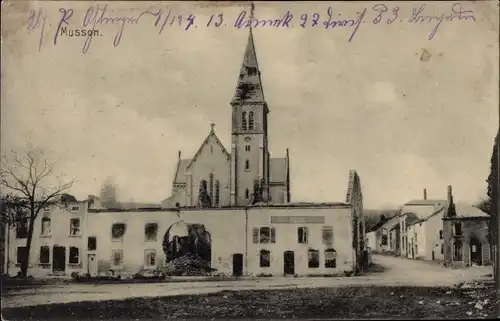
(178, 197)
(249, 87)
(465, 210)
(217, 140)
(411, 218)
(180, 174)
(277, 170)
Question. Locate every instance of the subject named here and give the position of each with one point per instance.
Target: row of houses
(455, 234)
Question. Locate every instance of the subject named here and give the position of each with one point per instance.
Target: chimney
(450, 196)
(179, 155)
(425, 194)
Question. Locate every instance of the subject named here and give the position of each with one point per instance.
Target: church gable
(211, 145)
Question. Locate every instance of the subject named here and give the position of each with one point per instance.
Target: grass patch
(338, 303)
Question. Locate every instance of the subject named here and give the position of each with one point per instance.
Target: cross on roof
(212, 125)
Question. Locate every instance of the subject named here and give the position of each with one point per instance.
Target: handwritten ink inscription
(95, 17)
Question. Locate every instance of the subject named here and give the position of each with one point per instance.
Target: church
(230, 178)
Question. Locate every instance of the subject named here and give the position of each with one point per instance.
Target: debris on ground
(188, 265)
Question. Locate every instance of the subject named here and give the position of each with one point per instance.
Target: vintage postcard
(250, 160)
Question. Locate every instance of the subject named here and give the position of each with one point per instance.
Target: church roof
(249, 87)
(180, 174)
(217, 140)
(277, 170)
(184, 164)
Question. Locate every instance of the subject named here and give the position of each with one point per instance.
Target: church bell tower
(249, 143)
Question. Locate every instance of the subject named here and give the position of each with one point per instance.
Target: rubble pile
(188, 265)
(481, 296)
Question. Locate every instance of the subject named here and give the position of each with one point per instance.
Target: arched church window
(211, 186)
(217, 193)
(250, 121)
(244, 120)
(247, 193)
(247, 148)
(247, 164)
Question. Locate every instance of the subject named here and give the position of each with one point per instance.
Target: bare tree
(29, 186)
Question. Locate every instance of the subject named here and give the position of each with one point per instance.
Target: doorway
(476, 251)
(59, 259)
(237, 264)
(288, 263)
(92, 265)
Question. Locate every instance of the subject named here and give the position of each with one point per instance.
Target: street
(396, 272)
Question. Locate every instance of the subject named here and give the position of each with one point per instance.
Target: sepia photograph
(210, 160)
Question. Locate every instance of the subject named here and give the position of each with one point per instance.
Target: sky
(370, 104)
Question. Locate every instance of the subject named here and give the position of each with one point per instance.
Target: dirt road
(396, 272)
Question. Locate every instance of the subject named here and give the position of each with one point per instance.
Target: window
(247, 194)
(302, 236)
(117, 231)
(327, 235)
(45, 226)
(442, 249)
(46, 209)
(440, 234)
(264, 235)
(117, 258)
(150, 258)
(44, 255)
(384, 237)
(75, 208)
(247, 165)
(92, 243)
(21, 254)
(244, 120)
(211, 187)
(250, 121)
(265, 258)
(22, 228)
(217, 193)
(74, 255)
(330, 258)
(247, 148)
(74, 226)
(313, 258)
(151, 231)
(458, 229)
(457, 250)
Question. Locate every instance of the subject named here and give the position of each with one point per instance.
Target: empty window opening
(117, 231)
(244, 120)
(45, 226)
(44, 255)
(330, 258)
(74, 255)
(151, 231)
(302, 236)
(74, 226)
(250, 120)
(313, 260)
(150, 258)
(92, 243)
(265, 258)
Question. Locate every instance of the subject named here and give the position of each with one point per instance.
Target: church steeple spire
(249, 88)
